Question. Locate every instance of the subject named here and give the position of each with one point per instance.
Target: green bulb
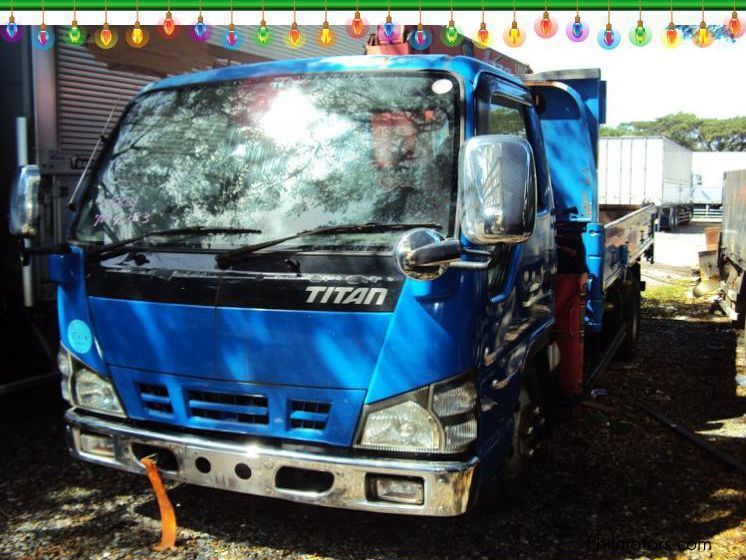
(263, 34)
(451, 34)
(74, 34)
(640, 34)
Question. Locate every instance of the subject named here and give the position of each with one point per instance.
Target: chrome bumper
(447, 484)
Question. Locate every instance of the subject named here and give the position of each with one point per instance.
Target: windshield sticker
(79, 336)
(120, 210)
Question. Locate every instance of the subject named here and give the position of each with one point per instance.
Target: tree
(702, 135)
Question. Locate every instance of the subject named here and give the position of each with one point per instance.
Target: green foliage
(705, 135)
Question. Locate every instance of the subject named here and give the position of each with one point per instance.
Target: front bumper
(447, 484)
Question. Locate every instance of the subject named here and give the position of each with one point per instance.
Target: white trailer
(635, 171)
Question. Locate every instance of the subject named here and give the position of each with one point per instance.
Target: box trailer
(636, 171)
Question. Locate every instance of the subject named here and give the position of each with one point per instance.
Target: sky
(643, 82)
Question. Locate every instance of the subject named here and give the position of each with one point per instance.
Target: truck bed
(628, 233)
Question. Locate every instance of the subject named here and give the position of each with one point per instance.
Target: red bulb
(105, 36)
(546, 25)
(735, 26)
(169, 26)
(672, 35)
(483, 35)
(294, 35)
(357, 24)
(608, 37)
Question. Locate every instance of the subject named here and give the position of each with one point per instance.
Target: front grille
(227, 407)
(155, 399)
(309, 415)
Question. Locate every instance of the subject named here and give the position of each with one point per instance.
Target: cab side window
(504, 119)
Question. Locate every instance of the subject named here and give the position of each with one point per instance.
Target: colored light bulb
(734, 25)
(609, 35)
(483, 35)
(703, 34)
(325, 37)
(451, 33)
(11, 28)
(105, 35)
(263, 33)
(136, 34)
(357, 24)
(546, 24)
(169, 26)
(514, 33)
(388, 28)
(42, 36)
(672, 35)
(231, 36)
(577, 29)
(74, 32)
(640, 33)
(419, 36)
(294, 35)
(200, 28)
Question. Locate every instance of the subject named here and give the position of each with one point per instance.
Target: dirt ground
(612, 483)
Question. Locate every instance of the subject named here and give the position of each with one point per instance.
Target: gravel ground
(603, 483)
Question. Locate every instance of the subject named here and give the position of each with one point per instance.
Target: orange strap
(168, 518)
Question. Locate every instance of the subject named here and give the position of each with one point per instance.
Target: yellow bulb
(326, 34)
(515, 35)
(137, 35)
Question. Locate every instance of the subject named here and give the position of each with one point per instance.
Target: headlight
(93, 392)
(406, 426)
(65, 367)
(439, 418)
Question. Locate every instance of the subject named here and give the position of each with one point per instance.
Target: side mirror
(424, 254)
(497, 189)
(24, 202)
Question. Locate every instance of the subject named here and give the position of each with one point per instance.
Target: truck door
(520, 290)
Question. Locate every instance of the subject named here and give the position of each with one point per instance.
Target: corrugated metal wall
(87, 90)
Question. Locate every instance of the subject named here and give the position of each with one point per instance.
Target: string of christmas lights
(419, 37)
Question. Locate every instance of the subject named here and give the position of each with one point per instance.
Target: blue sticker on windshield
(79, 336)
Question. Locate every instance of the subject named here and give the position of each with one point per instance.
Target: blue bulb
(11, 29)
(577, 29)
(199, 29)
(388, 29)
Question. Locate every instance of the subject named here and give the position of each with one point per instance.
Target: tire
(509, 485)
(631, 314)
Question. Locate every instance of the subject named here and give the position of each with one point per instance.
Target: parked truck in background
(361, 282)
(731, 255)
(636, 171)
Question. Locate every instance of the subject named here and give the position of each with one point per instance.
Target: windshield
(280, 155)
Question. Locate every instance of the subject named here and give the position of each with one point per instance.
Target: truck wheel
(509, 485)
(631, 314)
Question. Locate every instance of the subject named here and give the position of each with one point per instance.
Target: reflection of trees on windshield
(281, 155)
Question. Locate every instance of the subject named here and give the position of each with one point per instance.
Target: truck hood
(177, 314)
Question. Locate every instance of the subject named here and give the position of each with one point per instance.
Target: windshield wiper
(235, 256)
(119, 247)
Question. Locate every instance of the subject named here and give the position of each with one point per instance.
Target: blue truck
(362, 282)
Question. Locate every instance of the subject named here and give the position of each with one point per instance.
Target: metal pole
(22, 159)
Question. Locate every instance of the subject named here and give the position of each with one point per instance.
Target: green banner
(349, 5)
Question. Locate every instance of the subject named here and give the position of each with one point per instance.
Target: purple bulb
(577, 29)
(11, 29)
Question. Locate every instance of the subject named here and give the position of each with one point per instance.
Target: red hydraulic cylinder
(570, 296)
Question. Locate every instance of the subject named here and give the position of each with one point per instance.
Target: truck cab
(335, 281)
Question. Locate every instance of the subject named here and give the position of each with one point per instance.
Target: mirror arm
(471, 265)
(26, 253)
